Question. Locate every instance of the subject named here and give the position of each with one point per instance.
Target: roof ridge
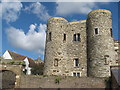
(15, 55)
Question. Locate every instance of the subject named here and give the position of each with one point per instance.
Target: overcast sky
(24, 23)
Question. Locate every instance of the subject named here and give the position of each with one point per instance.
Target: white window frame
(76, 74)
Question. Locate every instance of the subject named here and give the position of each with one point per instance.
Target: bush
(12, 62)
(57, 80)
(37, 69)
(45, 75)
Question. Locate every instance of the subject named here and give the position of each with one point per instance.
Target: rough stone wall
(65, 50)
(64, 82)
(117, 51)
(101, 53)
(95, 52)
(17, 69)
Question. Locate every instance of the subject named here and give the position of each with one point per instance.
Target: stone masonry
(81, 48)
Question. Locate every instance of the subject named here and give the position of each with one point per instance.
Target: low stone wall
(64, 82)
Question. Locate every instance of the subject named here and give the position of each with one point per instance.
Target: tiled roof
(16, 56)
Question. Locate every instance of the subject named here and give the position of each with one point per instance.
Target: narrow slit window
(96, 31)
(78, 37)
(74, 38)
(111, 32)
(50, 36)
(56, 62)
(64, 39)
(106, 59)
(76, 62)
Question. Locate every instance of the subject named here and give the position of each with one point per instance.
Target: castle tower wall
(54, 47)
(100, 44)
(77, 49)
(65, 51)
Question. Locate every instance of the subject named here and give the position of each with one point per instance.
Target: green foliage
(45, 75)
(37, 69)
(12, 62)
(57, 80)
(22, 63)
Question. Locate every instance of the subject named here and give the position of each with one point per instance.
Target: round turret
(57, 20)
(100, 45)
(54, 45)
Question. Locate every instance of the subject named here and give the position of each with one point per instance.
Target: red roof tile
(16, 56)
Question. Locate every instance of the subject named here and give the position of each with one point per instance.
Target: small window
(76, 62)
(106, 62)
(50, 36)
(111, 32)
(64, 39)
(74, 74)
(78, 74)
(74, 38)
(117, 61)
(96, 31)
(56, 62)
(106, 59)
(78, 37)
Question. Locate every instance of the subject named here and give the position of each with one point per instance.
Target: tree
(37, 69)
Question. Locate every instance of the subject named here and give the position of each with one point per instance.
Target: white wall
(6, 55)
(27, 66)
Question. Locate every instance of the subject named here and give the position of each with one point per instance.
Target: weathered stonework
(91, 50)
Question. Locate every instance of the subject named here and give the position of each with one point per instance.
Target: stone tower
(100, 44)
(65, 52)
(80, 48)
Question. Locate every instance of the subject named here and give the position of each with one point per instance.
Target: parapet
(57, 19)
(99, 10)
(75, 22)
